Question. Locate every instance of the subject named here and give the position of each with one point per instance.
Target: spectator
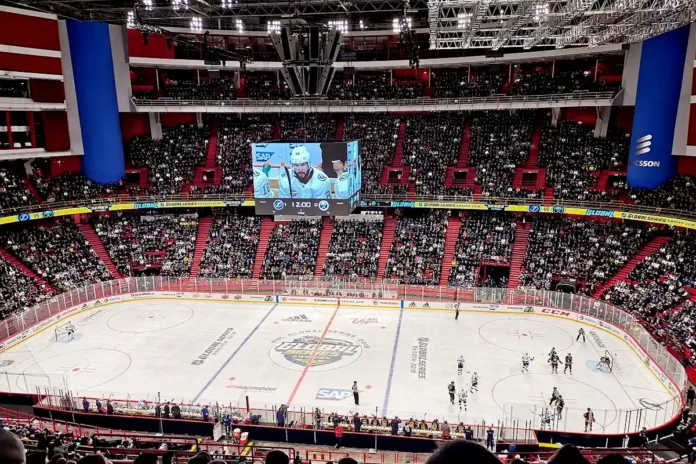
(308, 127)
(231, 247)
(292, 250)
(265, 86)
(11, 448)
(206, 89)
(13, 191)
(374, 86)
(354, 249)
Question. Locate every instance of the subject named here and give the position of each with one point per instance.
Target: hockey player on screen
(302, 180)
(262, 188)
(525, 362)
(460, 365)
(347, 180)
(463, 394)
(451, 389)
(568, 363)
(474, 382)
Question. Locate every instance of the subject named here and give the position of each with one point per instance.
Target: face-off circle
(334, 351)
(150, 318)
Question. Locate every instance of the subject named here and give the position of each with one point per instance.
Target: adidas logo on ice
(300, 318)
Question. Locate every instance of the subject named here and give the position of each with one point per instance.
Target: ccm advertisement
(310, 179)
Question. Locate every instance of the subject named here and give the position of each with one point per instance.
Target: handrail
(195, 200)
(424, 101)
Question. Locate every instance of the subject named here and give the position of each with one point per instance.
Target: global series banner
(533, 209)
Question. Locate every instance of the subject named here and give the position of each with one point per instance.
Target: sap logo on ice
(333, 394)
(643, 144)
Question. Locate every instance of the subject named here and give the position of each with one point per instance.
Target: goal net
(614, 366)
(61, 331)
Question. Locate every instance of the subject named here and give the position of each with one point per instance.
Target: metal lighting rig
(307, 52)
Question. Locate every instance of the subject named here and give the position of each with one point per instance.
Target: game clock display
(312, 179)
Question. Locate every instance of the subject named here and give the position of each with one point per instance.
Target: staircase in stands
(398, 160)
(518, 253)
(10, 258)
(385, 247)
(648, 249)
(463, 160)
(267, 226)
(326, 232)
(98, 246)
(204, 225)
(451, 238)
(32, 189)
(533, 159)
(211, 154)
(339, 127)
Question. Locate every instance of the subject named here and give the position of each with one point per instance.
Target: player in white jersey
(302, 180)
(348, 179)
(545, 419)
(70, 330)
(262, 188)
(474, 382)
(525, 362)
(460, 364)
(463, 394)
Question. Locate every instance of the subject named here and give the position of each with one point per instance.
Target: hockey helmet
(299, 155)
(555, 388)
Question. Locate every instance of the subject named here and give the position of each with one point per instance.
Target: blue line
(212, 379)
(393, 362)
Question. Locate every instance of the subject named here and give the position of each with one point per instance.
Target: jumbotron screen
(310, 179)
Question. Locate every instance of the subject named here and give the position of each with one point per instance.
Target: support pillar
(155, 126)
(602, 124)
(555, 116)
(199, 120)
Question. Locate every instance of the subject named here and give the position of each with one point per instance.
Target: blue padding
(93, 70)
(657, 101)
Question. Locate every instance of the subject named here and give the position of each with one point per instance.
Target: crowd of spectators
(207, 89)
(588, 251)
(59, 254)
(500, 142)
(573, 158)
(14, 88)
(150, 244)
(376, 134)
(172, 161)
(71, 186)
(678, 193)
(292, 250)
(234, 138)
(354, 249)
(310, 127)
(18, 292)
(483, 237)
(264, 86)
(545, 82)
(418, 248)
(456, 84)
(231, 247)
(374, 86)
(432, 143)
(13, 191)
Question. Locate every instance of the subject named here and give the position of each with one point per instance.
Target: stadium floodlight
(130, 20)
(239, 25)
(148, 4)
(339, 25)
(180, 5)
(274, 26)
(362, 25)
(463, 20)
(541, 12)
(398, 26)
(227, 3)
(196, 24)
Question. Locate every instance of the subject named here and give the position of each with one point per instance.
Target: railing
(203, 200)
(424, 103)
(517, 416)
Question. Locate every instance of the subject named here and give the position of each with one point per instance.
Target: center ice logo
(295, 352)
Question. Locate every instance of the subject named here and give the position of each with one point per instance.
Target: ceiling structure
(451, 24)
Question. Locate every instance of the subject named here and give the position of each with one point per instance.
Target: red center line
(311, 358)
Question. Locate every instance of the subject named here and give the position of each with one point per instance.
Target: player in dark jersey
(451, 389)
(568, 363)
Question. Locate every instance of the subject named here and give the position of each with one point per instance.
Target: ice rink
(402, 359)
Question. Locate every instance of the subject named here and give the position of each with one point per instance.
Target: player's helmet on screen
(299, 155)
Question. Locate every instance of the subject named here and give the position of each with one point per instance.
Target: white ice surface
(403, 361)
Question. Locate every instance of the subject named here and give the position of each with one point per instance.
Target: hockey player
(70, 330)
(589, 419)
(553, 352)
(604, 361)
(581, 333)
(262, 188)
(474, 382)
(554, 395)
(568, 363)
(451, 389)
(554, 360)
(525, 362)
(545, 419)
(460, 364)
(347, 177)
(560, 403)
(462, 398)
(302, 180)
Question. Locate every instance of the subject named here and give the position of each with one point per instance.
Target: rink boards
(306, 351)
